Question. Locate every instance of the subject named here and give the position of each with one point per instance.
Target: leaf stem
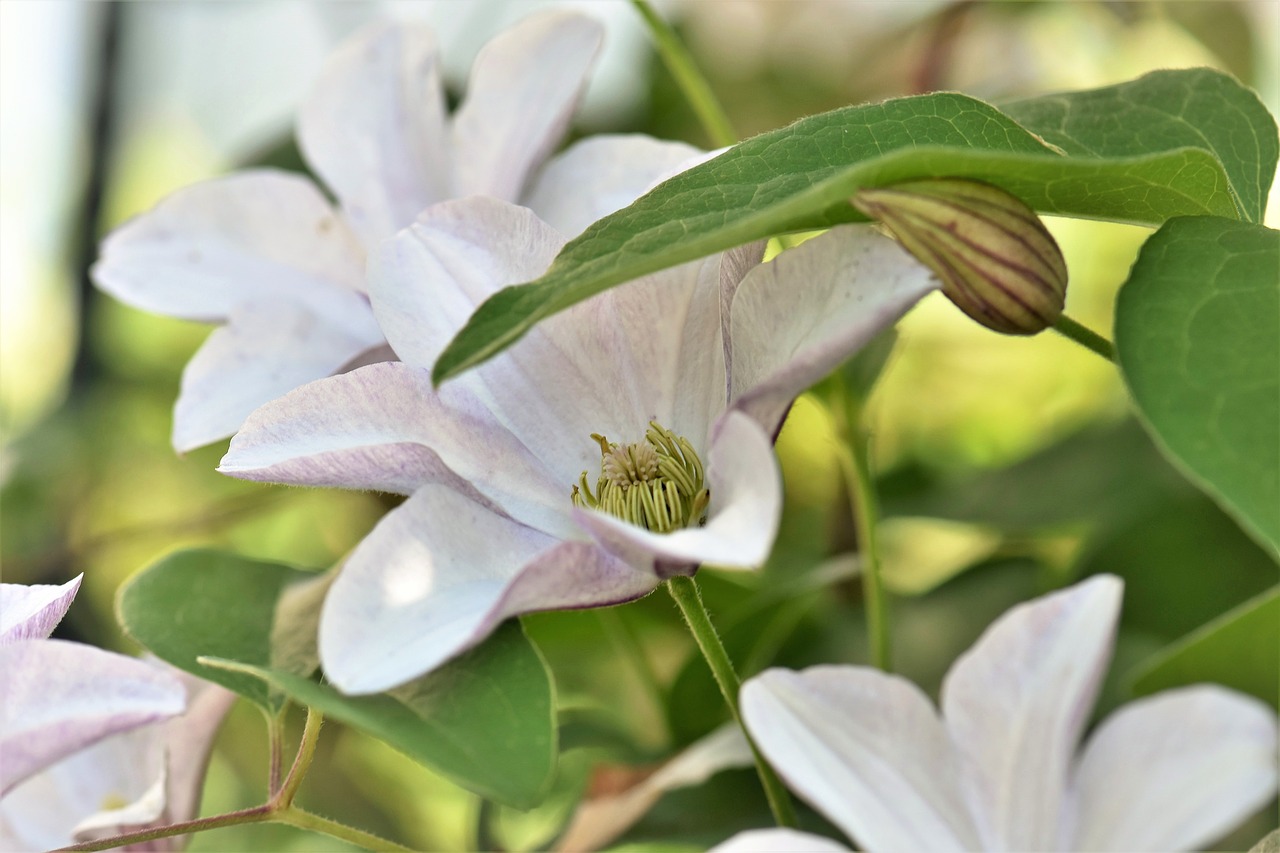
(279, 809)
(855, 463)
(687, 76)
(689, 599)
(275, 748)
(1085, 337)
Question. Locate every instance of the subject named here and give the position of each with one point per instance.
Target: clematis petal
(384, 427)
(266, 349)
(794, 319)
(1016, 704)
(523, 89)
(438, 574)
(646, 351)
(599, 175)
(205, 249)
(777, 841)
(32, 611)
(428, 280)
(746, 505)
(117, 782)
(57, 697)
(1175, 771)
(189, 743)
(867, 750)
(374, 128)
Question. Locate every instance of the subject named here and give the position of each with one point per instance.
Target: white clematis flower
(1000, 769)
(265, 255)
(93, 743)
(517, 472)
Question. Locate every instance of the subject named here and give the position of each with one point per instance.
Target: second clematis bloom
(1000, 769)
(266, 256)
(622, 442)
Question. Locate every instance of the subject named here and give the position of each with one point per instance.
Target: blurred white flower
(1000, 769)
(265, 255)
(94, 743)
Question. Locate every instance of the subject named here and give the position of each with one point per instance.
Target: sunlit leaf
(1198, 341)
(1212, 148)
(209, 603)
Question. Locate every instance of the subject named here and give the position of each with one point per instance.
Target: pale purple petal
(438, 574)
(1017, 702)
(208, 248)
(427, 282)
(58, 697)
(374, 128)
(746, 504)
(32, 611)
(523, 89)
(649, 350)
(867, 750)
(64, 803)
(778, 841)
(189, 741)
(598, 821)
(599, 175)
(266, 349)
(1175, 771)
(384, 427)
(795, 319)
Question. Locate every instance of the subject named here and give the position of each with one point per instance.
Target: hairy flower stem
(689, 599)
(855, 464)
(1085, 337)
(687, 76)
(279, 809)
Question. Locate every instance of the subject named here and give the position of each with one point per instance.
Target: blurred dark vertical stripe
(103, 89)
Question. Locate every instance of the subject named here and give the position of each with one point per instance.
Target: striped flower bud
(995, 258)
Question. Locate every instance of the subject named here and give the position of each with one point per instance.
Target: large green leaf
(1240, 649)
(198, 603)
(801, 177)
(485, 720)
(1198, 108)
(1198, 341)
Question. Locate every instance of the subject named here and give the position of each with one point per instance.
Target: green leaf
(1240, 649)
(1196, 108)
(1198, 341)
(486, 720)
(200, 603)
(801, 177)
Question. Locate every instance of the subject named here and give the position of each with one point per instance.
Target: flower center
(657, 484)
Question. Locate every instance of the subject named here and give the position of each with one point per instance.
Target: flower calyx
(996, 260)
(658, 484)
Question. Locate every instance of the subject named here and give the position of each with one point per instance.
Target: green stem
(689, 599)
(279, 809)
(687, 76)
(257, 814)
(1085, 337)
(301, 819)
(275, 746)
(302, 762)
(855, 463)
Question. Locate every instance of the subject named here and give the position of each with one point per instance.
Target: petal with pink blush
(32, 611)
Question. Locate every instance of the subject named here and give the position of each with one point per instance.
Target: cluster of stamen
(657, 484)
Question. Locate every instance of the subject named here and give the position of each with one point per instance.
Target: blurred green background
(1008, 466)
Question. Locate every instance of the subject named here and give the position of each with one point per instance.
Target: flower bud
(997, 261)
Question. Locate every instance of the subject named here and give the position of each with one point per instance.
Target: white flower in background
(93, 743)
(1000, 770)
(621, 442)
(265, 255)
